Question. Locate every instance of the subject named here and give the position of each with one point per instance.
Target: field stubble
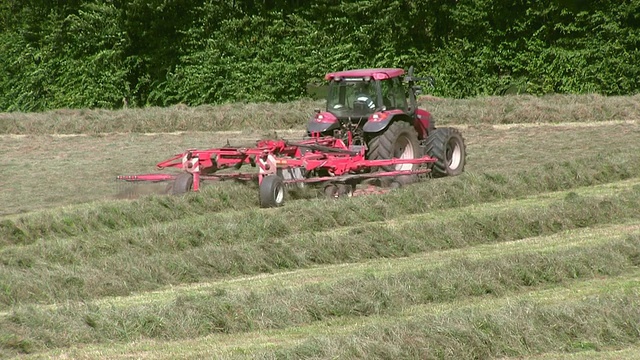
(294, 115)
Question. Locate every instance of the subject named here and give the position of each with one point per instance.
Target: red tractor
(368, 131)
(369, 107)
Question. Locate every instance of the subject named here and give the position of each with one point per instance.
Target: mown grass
(189, 315)
(381, 265)
(251, 117)
(278, 343)
(513, 329)
(255, 241)
(485, 110)
(426, 196)
(602, 353)
(115, 215)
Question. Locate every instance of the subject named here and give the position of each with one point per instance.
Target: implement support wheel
(338, 190)
(182, 184)
(271, 191)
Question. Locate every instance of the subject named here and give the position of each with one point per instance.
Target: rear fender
(322, 122)
(424, 123)
(380, 120)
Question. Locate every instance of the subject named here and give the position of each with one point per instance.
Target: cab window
(393, 95)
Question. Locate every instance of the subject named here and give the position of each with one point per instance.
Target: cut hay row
(494, 271)
(589, 351)
(381, 266)
(297, 342)
(98, 265)
(470, 188)
(488, 329)
(379, 293)
(294, 115)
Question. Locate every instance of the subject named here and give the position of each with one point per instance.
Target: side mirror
(431, 80)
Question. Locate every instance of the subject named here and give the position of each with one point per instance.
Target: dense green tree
(108, 53)
(63, 54)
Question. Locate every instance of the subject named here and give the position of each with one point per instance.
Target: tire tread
(436, 147)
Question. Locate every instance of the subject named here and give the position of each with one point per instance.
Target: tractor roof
(378, 74)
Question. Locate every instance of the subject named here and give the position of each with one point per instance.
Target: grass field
(533, 253)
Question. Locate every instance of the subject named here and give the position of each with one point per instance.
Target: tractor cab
(353, 98)
(357, 94)
(358, 97)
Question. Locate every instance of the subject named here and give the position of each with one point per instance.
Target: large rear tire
(399, 140)
(448, 147)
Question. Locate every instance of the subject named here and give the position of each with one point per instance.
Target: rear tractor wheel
(399, 140)
(448, 147)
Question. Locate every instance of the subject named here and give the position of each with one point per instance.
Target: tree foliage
(108, 53)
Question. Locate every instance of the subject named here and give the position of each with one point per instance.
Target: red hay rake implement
(327, 161)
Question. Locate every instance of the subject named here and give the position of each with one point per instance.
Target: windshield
(352, 98)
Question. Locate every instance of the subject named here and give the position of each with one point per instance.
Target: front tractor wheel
(271, 191)
(448, 147)
(400, 141)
